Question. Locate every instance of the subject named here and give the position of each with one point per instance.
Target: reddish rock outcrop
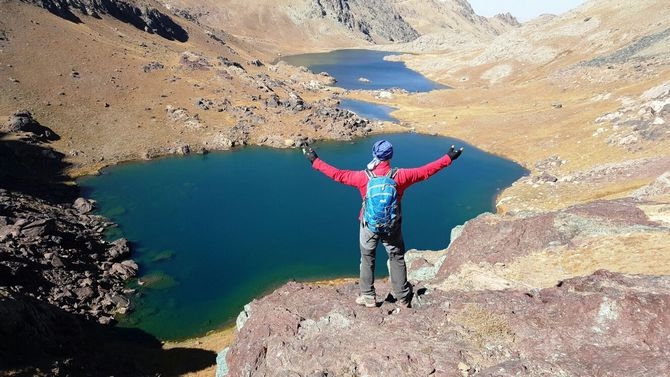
(602, 324)
(509, 248)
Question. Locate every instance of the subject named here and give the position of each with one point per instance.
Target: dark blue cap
(383, 150)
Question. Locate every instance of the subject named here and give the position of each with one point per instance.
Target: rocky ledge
(602, 324)
(582, 291)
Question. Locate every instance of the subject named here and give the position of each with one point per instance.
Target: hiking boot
(367, 300)
(414, 300)
(406, 301)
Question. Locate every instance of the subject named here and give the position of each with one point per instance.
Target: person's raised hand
(309, 153)
(453, 153)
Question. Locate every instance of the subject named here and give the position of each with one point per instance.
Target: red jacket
(404, 177)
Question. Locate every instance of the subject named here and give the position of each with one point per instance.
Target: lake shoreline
(327, 86)
(219, 339)
(93, 169)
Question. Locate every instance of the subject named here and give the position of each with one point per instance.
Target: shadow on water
(41, 339)
(34, 170)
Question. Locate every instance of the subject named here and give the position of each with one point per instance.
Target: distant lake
(349, 66)
(213, 232)
(366, 70)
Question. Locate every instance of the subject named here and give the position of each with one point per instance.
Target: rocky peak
(376, 20)
(465, 9)
(507, 18)
(446, 23)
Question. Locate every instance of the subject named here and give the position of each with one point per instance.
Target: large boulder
(119, 249)
(124, 270)
(23, 121)
(83, 205)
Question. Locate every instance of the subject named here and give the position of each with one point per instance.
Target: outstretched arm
(347, 177)
(410, 176)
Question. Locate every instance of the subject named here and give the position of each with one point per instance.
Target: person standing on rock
(389, 184)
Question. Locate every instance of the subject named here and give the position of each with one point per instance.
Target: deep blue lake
(349, 66)
(365, 70)
(212, 232)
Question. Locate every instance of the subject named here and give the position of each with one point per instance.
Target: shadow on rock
(35, 170)
(23, 121)
(40, 339)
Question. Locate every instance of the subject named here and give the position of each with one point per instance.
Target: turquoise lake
(212, 232)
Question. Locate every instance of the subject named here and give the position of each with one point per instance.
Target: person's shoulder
(379, 170)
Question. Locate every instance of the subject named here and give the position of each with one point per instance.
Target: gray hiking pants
(395, 248)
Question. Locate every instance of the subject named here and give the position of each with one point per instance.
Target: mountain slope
(124, 80)
(547, 44)
(313, 25)
(112, 91)
(450, 24)
(303, 25)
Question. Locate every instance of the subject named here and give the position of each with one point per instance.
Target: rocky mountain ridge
(372, 18)
(139, 14)
(309, 25)
(451, 24)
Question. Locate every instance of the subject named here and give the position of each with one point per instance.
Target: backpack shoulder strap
(370, 174)
(391, 174)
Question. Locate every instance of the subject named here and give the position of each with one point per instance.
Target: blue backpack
(381, 209)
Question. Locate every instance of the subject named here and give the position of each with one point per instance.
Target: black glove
(309, 153)
(453, 154)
